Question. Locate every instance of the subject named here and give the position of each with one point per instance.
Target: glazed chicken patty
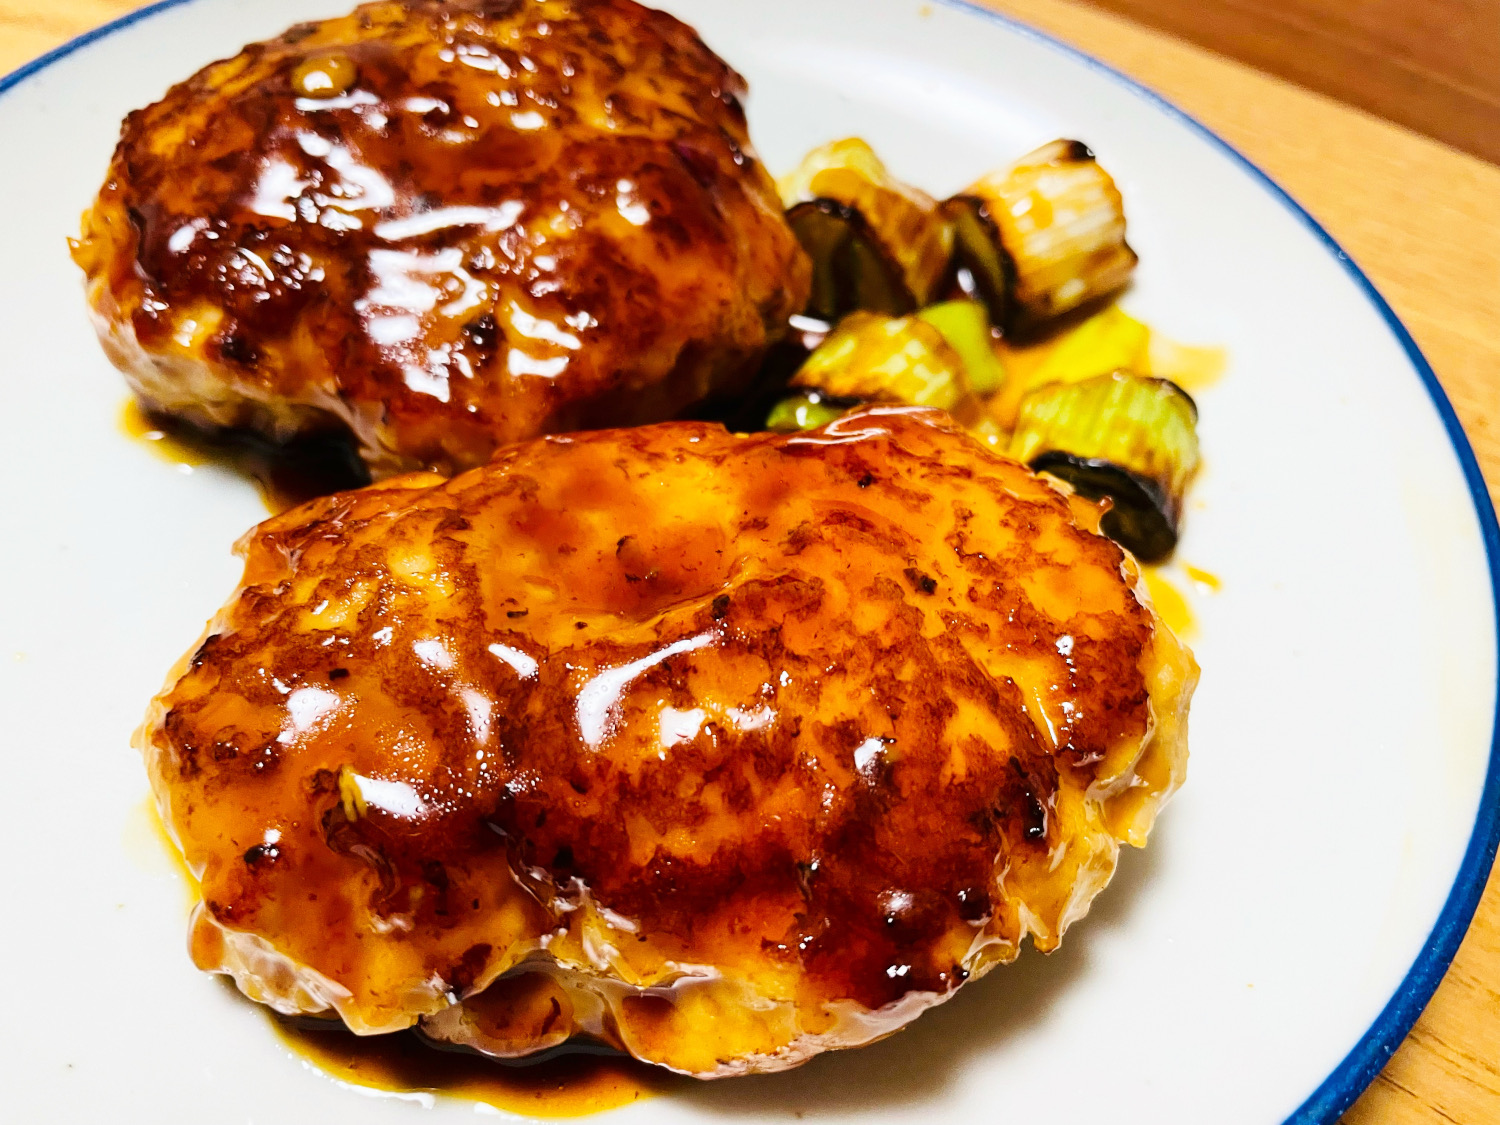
(723, 749)
(444, 225)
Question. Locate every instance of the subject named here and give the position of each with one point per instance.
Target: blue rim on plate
(1360, 1066)
(1374, 1049)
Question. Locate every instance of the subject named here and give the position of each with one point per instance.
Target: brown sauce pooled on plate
(569, 1082)
(286, 475)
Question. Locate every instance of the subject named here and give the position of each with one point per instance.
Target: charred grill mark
(204, 650)
(920, 582)
(1033, 815)
(461, 976)
(238, 349)
(262, 855)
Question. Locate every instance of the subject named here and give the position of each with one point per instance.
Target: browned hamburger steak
(726, 750)
(444, 225)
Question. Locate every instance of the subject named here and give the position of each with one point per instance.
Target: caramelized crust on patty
(726, 749)
(444, 225)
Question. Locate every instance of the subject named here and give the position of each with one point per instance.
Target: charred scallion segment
(806, 411)
(876, 243)
(850, 270)
(877, 358)
(1128, 437)
(1056, 226)
(966, 327)
(981, 270)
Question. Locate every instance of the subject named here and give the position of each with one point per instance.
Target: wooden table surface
(1423, 220)
(1432, 65)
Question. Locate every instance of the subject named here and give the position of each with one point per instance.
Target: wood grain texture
(1417, 215)
(30, 27)
(1433, 65)
(1420, 218)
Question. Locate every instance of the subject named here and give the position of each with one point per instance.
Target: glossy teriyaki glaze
(444, 225)
(725, 749)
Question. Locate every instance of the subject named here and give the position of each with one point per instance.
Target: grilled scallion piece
(1128, 437)
(1041, 238)
(806, 411)
(850, 268)
(966, 326)
(876, 243)
(877, 358)
(1111, 340)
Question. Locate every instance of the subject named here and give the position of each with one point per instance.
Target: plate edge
(42, 62)
(1369, 1055)
(1374, 1049)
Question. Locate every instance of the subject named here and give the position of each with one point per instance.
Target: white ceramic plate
(1257, 963)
